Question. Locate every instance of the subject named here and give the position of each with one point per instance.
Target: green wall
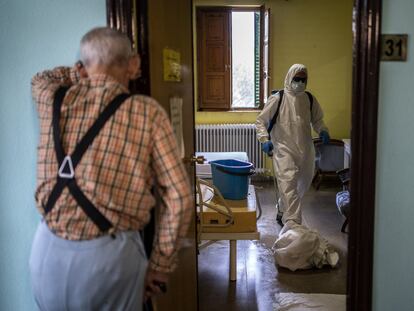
(317, 33)
(394, 214)
(34, 35)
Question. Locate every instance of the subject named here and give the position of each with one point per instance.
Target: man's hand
(155, 283)
(267, 147)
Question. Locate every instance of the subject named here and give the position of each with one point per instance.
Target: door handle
(192, 160)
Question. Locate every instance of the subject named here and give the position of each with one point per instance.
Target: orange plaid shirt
(136, 146)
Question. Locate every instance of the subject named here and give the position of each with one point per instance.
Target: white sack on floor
(298, 247)
(314, 302)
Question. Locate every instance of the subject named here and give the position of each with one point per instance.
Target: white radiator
(230, 138)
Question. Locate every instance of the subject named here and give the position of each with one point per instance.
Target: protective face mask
(298, 86)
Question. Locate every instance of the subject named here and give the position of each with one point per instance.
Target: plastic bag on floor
(298, 247)
(313, 302)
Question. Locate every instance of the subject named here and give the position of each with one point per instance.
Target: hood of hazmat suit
(294, 154)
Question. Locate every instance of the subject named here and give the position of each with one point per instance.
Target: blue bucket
(231, 177)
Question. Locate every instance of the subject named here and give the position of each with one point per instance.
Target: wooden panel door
(214, 59)
(152, 26)
(170, 26)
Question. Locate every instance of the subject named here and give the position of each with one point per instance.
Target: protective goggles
(298, 79)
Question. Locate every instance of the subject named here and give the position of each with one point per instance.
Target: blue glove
(324, 135)
(267, 148)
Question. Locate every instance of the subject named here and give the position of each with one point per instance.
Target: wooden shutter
(265, 37)
(214, 65)
(258, 59)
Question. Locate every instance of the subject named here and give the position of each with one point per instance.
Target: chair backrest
(329, 157)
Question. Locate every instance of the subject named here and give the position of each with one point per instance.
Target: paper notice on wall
(176, 111)
(172, 65)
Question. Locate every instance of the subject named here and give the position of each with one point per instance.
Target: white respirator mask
(298, 86)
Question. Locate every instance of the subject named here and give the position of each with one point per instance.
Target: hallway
(258, 279)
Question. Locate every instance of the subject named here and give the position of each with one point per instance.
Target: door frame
(120, 14)
(366, 56)
(366, 44)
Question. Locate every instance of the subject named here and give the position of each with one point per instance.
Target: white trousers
(293, 180)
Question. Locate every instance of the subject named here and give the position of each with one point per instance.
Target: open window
(232, 57)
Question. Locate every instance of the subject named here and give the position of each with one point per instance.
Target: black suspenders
(67, 163)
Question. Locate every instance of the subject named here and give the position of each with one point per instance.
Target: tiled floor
(258, 279)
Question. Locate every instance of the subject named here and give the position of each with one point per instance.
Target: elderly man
(284, 129)
(100, 152)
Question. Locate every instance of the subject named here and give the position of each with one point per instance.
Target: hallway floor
(258, 278)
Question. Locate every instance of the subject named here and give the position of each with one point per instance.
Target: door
(171, 21)
(159, 27)
(169, 32)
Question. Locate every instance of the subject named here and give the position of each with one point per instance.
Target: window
(245, 60)
(232, 46)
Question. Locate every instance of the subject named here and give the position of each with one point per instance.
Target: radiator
(230, 138)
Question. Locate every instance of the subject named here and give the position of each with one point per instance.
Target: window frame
(200, 72)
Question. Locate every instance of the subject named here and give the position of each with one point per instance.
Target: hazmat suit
(291, 137)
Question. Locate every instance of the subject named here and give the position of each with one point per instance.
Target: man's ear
(81, 70)
(134, 67)
(83, 73)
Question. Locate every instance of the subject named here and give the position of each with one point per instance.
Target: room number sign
(394, 47)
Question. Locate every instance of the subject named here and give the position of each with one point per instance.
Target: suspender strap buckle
(66, 168)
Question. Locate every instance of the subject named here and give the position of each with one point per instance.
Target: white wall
(394, 219)
(34, 35)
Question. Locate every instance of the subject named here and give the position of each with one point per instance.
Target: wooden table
(220, 232)
(233, 238)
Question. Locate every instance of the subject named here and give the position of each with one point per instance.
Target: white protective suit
(293, 153)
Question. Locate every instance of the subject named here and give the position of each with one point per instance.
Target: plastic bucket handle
(249, 173)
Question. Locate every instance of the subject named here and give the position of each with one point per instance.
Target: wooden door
(154, 26)
(169, 27)
(367, 20)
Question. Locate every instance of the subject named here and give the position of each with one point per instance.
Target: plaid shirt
(117, 172)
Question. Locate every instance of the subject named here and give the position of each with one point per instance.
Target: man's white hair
(105, 46)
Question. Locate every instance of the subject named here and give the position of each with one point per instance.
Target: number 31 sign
(394, 47)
